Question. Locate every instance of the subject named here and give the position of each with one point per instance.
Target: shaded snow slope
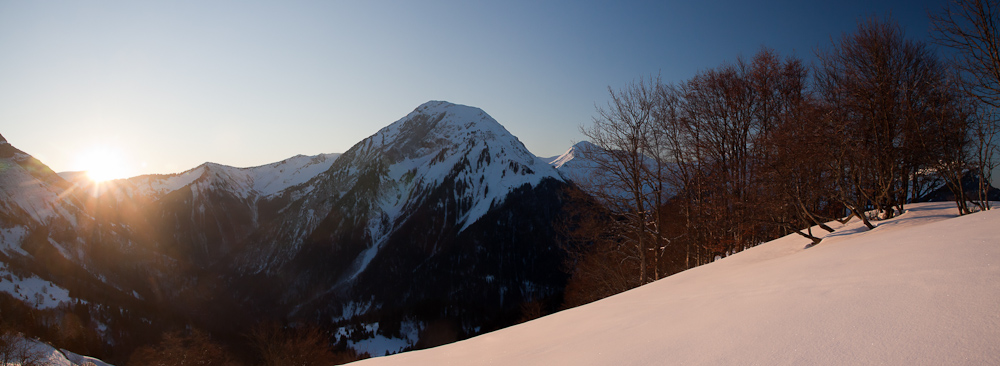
(920, 289)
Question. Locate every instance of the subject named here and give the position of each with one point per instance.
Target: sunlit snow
(920, 289)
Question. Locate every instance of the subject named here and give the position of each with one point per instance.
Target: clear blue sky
(174, 84)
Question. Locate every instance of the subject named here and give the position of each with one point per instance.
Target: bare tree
(599, 260)
(799, 174)
(305, 346)
(179, 349)
(884, 91)
(985, 151)
(972, 27)
(17, 350)
(624, 182)
(724, 160)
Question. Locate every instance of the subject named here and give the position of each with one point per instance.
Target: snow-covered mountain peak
(442, 141)
(435, 123)
(580, 150)
(2, 140)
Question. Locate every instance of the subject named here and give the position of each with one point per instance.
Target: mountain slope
(64, 263)
(444, 193)
(30, 191)
(918, 289)
(441, 223)
(380, 182)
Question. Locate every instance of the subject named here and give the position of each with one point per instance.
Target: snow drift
(922, 288)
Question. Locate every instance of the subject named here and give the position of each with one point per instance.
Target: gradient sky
(171, 85)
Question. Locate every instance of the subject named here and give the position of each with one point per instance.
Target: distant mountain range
(438, 227)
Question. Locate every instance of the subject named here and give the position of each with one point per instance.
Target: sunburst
(103, 163)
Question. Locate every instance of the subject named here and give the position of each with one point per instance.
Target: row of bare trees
(746, 152)
(271, 343)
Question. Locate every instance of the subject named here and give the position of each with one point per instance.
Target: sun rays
(103, 163)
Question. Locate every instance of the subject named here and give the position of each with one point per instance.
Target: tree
(972, 28)
(798, 173)
(624, 182)
(599, 260)
(278, 346)
(722, 150)
(17, 350)
(884, 92)
(179, 349)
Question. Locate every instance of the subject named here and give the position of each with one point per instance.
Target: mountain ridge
(444, 193)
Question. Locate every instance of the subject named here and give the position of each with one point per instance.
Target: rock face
(437, 227)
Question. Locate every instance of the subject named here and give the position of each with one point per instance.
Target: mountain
(970, 185)
(437, 227)
(919, 289)
(593, 169)
(577, 164)
(442, 216)
(254, 182)
(385, 179)
(31, 191)
(67, 273)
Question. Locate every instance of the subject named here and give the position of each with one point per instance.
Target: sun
(103, 163)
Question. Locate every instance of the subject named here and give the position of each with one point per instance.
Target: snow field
(34, 291)
(920, 289)
(50, 356)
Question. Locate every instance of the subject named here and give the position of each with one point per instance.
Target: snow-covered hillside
(45, 354)
(920, 289)
(34, 291)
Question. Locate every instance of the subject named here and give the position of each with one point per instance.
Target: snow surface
(11, 239)
(33, 291)
(50, 356)
(920, 289)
